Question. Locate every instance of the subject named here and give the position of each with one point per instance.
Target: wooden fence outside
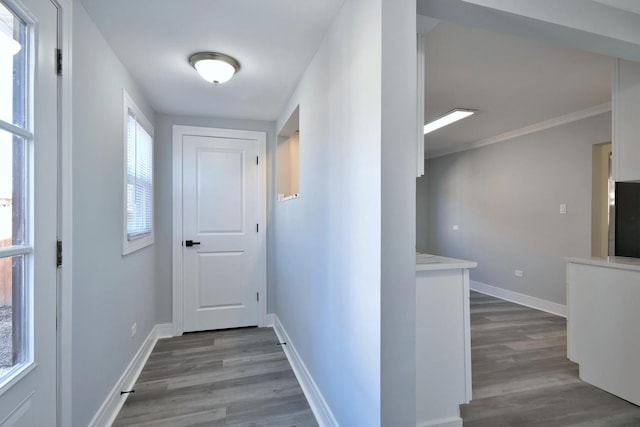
(6, 277)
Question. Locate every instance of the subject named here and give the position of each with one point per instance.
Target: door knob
(189, 243)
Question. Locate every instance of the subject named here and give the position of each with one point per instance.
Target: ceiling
(632, 6)
(273, 40)
(513, 83)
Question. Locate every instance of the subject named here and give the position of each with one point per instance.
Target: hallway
(234, 377)
(522, 377)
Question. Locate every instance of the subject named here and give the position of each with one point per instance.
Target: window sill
(130, 246)
(16, 374)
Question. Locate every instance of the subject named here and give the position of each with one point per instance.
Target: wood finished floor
(234, 378)
(522, 377)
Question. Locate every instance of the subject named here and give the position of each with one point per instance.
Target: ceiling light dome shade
(214, 67)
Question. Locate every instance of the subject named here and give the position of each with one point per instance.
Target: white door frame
(176, 244)
(65, 231)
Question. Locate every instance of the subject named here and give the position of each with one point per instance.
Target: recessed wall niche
(288, 158)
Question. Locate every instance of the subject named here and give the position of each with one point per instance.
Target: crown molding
(536, 127)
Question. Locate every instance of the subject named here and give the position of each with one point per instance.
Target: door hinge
(59, 62)
(257, 228)
(257, 160)
(58, 253)
(257, 296)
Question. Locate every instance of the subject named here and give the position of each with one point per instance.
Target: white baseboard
(164, 330)
(319, 406)
(110, 408)
(518, 298)
(446, 422)
(270, 320)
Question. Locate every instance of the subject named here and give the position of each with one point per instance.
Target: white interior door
(219, 232)
(28, 212)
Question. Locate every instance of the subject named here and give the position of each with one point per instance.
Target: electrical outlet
(518, 273)
(563, 208)
(134, 329)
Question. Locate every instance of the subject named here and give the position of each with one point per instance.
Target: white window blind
(139, 179)
(137, 209)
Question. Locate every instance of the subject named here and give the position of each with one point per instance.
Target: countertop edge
(620, 263)
(445, 263)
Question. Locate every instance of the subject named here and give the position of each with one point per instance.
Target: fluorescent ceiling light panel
(451, 117)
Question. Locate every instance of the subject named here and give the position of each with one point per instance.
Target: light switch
(563, 208)
(455, 228)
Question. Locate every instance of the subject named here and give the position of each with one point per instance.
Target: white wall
(398, 187)
(595, 17)
(585, 25)
(505, 198)
(164, 219)
(327, 242)
(337, 251)
(110, 292)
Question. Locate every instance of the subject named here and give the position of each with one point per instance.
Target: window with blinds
(138, 179)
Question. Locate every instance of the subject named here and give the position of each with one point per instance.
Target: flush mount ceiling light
(450, 117)
(214, 67)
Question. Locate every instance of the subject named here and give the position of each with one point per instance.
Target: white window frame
(132, 245)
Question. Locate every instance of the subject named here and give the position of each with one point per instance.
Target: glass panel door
(15, 251)
(28, 211)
